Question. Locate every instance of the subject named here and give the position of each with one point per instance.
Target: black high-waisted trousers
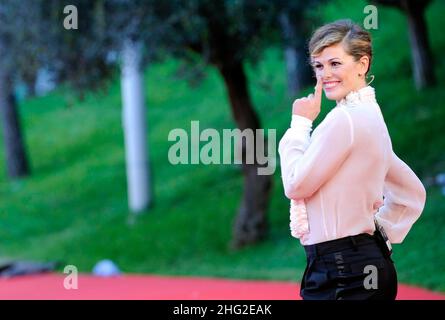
(351, 268)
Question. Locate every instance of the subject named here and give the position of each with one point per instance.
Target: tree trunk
(30, 79)
(298, 71)
(299, 74)
(135, 132)
(16, 160)
(251, 222)
(422, 58)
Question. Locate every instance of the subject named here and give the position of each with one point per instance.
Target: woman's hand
(309, 106)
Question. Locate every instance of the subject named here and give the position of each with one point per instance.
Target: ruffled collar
(353, 98)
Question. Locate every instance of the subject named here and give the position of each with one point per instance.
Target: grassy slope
(73, 207)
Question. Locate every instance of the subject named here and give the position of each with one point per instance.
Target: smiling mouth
(330, 84)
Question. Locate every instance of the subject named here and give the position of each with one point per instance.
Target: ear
(363, 64)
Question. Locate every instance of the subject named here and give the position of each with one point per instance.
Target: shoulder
(337, 124)
(337, 118)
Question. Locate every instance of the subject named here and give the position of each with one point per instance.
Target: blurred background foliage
(70, 201)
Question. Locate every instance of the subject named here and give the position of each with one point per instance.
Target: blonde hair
(355, 40)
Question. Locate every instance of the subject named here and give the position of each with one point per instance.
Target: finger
(310, 96)
(318, 88)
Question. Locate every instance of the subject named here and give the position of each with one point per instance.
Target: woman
(337, 177)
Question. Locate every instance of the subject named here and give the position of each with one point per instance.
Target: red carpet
(137, 287)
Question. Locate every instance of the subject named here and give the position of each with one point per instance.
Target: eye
(335, 64)
(318, 66)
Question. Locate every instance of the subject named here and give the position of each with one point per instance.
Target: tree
(79, 57)
(136, 30)
(296, 28)
(21, 42)
(226, 34)
(127, 22)
(421, 55)
(116, 34)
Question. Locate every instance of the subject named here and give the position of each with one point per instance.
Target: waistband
(340, 244)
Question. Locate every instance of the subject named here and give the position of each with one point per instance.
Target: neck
(361, 85)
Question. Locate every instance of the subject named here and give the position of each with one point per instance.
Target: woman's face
(339, 71)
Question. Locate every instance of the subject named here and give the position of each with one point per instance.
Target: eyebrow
(328, 60)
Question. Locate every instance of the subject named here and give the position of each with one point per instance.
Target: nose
(325, 73)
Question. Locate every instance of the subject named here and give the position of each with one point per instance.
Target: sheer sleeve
(308, 162)
(404, 200)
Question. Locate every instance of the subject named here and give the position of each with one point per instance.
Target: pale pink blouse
(346, 172)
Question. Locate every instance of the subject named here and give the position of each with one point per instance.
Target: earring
(372, 79)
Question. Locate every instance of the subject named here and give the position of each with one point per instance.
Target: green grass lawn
(73, 208)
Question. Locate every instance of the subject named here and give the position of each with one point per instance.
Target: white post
(136, 151)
